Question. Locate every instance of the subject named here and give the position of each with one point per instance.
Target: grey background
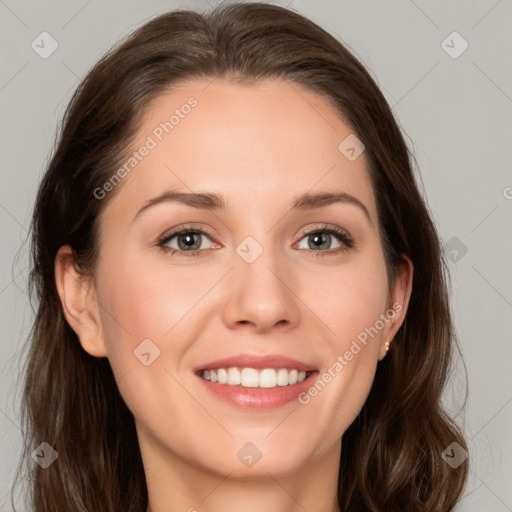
(455, 112)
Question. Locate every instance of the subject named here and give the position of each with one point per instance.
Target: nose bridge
(259, 291)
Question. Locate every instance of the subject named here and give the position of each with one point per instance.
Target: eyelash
(346, 240)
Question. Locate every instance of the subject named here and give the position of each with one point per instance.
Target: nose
(260, 295)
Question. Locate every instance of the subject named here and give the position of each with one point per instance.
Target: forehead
(257, 144)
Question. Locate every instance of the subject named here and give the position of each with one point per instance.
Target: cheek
(350, 303)
(149, 322)
(146, 302)
(351, 306)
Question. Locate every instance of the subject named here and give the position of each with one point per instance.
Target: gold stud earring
(387, 348)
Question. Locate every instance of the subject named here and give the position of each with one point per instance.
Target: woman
(295, 358)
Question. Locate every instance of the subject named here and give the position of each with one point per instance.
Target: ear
(79, 302)
(398, 302)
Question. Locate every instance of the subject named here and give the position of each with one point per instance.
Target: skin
(259, 145)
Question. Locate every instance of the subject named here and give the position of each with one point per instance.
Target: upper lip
(256, 361)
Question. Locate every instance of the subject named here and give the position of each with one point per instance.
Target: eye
(322, 238)
(186, 241)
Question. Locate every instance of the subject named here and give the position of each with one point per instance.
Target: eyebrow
(216, 202)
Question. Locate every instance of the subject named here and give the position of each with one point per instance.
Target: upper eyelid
(171, 233)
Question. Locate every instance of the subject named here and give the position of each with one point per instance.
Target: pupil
(189, 240)
(322, 238)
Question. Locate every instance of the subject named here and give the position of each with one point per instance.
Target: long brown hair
(392, 453)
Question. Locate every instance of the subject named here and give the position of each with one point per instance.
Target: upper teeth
(252, 378)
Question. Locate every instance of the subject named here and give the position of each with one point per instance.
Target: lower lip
(258, 398)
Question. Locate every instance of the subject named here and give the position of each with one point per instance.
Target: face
(283, 300)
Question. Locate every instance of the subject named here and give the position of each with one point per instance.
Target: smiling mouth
(255, 378)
